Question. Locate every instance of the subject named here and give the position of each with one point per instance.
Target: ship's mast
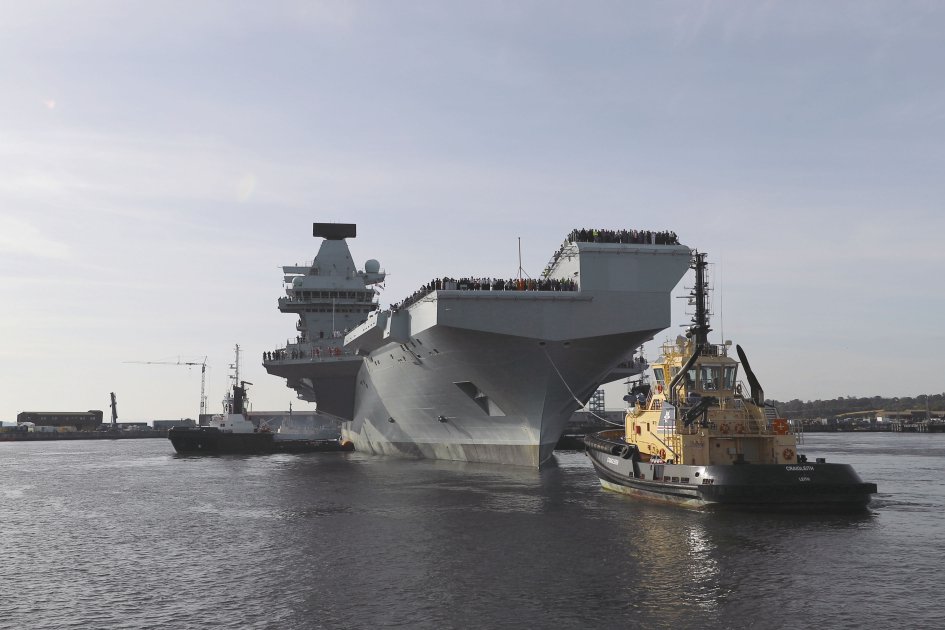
(236, 366)
(700, 329)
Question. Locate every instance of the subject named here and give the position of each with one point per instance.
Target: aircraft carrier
(474, 369)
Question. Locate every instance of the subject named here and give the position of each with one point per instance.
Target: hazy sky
(159, 162)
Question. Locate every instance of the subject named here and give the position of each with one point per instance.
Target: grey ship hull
(475, 375)
(480, 397)
(493, 377)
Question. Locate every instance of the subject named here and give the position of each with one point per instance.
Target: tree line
(850, 404)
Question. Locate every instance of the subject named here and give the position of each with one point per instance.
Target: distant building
(907, 416)
(596, 403)
(81, 420)
(132, 426)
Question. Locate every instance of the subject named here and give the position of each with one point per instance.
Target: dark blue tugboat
(233, 433)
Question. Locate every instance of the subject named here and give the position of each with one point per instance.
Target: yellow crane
(203, 375)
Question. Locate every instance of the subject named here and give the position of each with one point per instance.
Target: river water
(124, 534)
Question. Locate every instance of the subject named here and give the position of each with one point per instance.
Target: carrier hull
(479, 397)
(479, 371)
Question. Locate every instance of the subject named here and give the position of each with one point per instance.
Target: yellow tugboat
(693, 437)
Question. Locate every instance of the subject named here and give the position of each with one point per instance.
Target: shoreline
(51, 436)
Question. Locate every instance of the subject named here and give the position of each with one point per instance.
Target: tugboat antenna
(721, 294)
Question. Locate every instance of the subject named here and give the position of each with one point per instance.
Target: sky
(160, 162)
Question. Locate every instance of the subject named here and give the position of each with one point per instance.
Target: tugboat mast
(700, 294)
(699, 331)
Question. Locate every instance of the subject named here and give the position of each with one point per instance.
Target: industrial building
(81, 420)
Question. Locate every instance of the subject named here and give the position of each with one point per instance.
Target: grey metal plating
(482, 376)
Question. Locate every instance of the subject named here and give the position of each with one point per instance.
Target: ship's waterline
(479, 375)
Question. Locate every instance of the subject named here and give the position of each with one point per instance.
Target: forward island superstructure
(475, 369)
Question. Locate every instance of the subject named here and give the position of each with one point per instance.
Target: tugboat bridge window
(728, 381)
(711, 377)
(658, 373)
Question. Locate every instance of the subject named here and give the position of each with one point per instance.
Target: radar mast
(700, 329)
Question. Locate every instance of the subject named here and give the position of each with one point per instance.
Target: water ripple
(126, 535)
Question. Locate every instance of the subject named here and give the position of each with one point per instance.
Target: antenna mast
(236, 367)
(721, 305)
(700, 322)
(519, 257)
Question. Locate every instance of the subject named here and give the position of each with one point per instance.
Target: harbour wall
(47, 436)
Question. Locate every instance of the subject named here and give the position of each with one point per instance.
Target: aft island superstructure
(478, 370)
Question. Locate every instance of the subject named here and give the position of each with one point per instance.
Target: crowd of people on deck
(317, 352)
(642, 237)
(486, 284)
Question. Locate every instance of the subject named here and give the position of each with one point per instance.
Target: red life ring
(663, 452)
(659, 389)
(724, 428)
(739, 428)
(788, 453)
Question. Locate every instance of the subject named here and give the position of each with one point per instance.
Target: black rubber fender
(606, 446)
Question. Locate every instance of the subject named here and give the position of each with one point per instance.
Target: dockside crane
(203, 375)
